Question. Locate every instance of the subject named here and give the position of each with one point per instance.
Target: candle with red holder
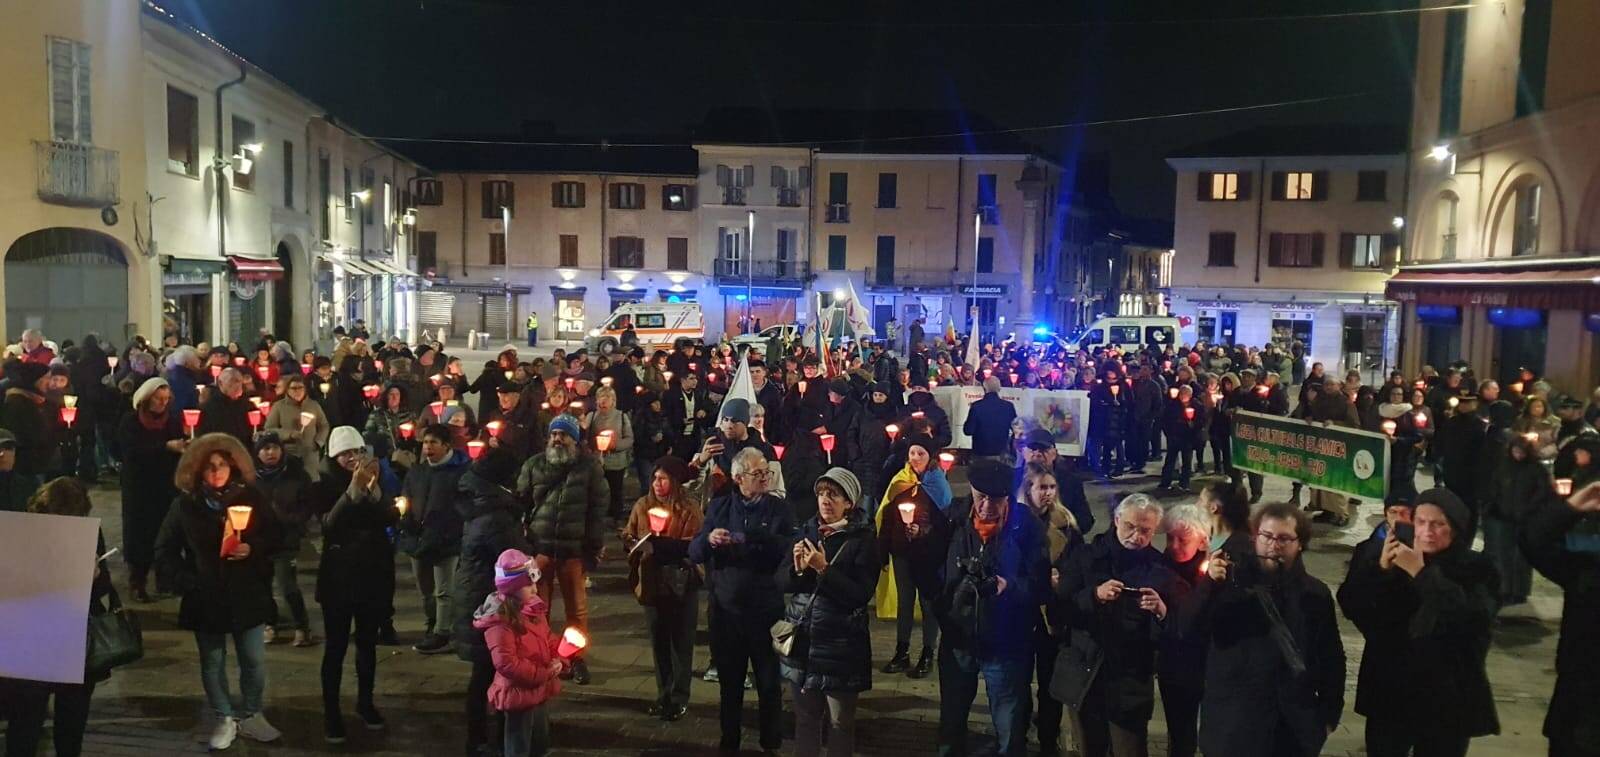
(407, 429)
(658, 519)
(494, 428)
(191, 419)
(573, 642)
(475, 448)
(827, 446)
(947, 460)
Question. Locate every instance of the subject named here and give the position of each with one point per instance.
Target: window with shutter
(498, 194)
(497, 248)
(1390, 255)
(427, 251)
(244, 133)
(887, 185)
(675, 196)
(1245, 180)
(988, 190)
(677, 253)
(836, 250)
(724, 176)
(1294, 250)
(1372, 186)
(1299, 185)
(1365, 250)
(69, 91)
(1319, 186)
(367, 179)
(780, 177)
(748, 178)
(430, 192)
(569, 251)
(1202, 186)
(627, 252)
(1219, 186)
(838, 188)
(805, 177)
(1220, 251)
(183, 132)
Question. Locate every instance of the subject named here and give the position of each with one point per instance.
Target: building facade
(755, 241)
(164, 185)
(1291, 244)
(1504, 196)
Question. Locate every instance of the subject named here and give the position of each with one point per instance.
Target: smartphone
(1405, 534)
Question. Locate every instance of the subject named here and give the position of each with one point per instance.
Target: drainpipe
(219, 163)
(954, 287)
(463, 179)
(1261, 205)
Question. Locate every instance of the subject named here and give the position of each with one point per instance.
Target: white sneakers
(223, 735)
(256, 728)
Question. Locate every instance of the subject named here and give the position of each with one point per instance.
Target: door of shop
(1520, 348)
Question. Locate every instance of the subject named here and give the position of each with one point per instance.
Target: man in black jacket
(433, 529)
(1461, 438)
(226, 410)
(1274, 660)
(519, 431)
(1425, 604)
(1562, 541)
(747, 534)
(689, 412)
(1115, 596)
(1255, 398)
(989, 422)
(282, 479)
(1144, 438)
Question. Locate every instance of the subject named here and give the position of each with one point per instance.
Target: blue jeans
(1010, 702)
(251, 646)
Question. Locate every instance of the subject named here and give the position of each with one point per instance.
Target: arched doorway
(283, 296)
(66, 283)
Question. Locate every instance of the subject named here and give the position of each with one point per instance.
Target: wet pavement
(155, 706)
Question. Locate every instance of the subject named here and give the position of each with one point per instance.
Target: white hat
(344, 439)
(146, 389)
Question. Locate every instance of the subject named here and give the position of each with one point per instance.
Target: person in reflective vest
(533, 329)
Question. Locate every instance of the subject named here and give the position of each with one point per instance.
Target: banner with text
(1064, 413)
(1344, 460)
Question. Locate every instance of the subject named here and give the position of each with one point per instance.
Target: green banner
(1344, 460)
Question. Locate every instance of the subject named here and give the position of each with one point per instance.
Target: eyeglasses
(758, 474)
(1282, 541)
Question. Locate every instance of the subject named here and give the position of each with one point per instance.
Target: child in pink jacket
(526, 668)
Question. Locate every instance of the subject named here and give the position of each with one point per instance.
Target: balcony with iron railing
(990, 214)
(896, 277)
(838, 212)
(788, 197)
(77, 175)
(733, 195)
(762, 272)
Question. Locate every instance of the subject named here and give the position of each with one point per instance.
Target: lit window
(1367, 251)
(1297, 185)
(1224, 186)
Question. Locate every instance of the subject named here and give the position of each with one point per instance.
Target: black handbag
(114, 639)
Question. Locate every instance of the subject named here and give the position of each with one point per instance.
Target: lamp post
(749, 268)
(505, 219)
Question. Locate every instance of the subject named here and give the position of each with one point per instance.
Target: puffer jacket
(568, 505)
(432, 516)
(490, 526)
(288, 488)
(219, 596)
(357, 568)
(833, 651)
(522, 676)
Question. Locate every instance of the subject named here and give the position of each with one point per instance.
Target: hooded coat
(833, 652)
(1548, 541)
(1426, 636)
(432, 516)
(521, 657)
(491, 525)
(146, 477)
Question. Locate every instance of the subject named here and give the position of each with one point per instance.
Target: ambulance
(657, 325)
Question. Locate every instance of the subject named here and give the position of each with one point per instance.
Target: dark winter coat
(1249, 687)
(1461, 439)
(1109, 416)
(1549, 544)
(147, 490)
(288, 489)
(519, 430)
(977, 622)
(432, 517)
(741, 574)
(491, 519)
(23, 415)
(834, 651)
(1183, 432)
(220, 413)
(219, 596)
(1112, 653)
(872, 445)
(1426, 639)
(938, 419)
(567, 505)
(357, 568)
(989, 424)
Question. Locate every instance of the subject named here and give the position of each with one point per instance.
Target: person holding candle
(355, 581)
(183, 373)
(517, 429)
(299, 423)
(873, 442)
(394, 409)
(567, 493)
(226, 409)
(282, 479)
(523, 648)
(151, 438)
(689, 412)
(651, 437)
(1183, 423)
(664, 581)
(612, 427)
(1536, 419)
(223, 594)
(913, 553)
(430, 530)
(30, 417)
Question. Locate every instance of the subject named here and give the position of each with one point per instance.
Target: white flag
(856, 315)
(741, 386)
(972, 347)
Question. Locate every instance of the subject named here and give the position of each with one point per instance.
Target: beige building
(567, 234)
(1504, 196)
(1284, 236)
(162, 184)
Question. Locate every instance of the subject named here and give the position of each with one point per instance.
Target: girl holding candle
(915, 551)
(299, 422)
(224, 594)
(664, 581)
(523, 649)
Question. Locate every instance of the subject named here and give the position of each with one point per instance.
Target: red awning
(255, 269)
(1566, 289)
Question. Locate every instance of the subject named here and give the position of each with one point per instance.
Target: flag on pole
(950, 336)
(856, 316)
(972, 347)
(741, 386)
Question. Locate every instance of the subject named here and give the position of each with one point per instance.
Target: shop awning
(1543, 287)
(255, 269)
(389, 269)
(358, 267)
(195, 266)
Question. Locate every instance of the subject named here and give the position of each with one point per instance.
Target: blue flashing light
(1041, 330)
(739, 297)
(674, 298)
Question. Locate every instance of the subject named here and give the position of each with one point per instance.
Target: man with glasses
(1115, 594)
(747, 535)
(997, 576)
(1274, 660)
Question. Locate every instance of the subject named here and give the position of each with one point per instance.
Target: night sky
(597, 68)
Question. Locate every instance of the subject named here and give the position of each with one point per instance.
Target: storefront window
(569, 318)
(1521, 335)
(1286, 331)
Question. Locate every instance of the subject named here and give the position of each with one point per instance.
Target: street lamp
(750, 268)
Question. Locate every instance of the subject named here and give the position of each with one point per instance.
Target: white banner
(46, 566)
(1064, 413)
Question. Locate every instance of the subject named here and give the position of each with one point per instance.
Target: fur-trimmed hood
(199, 451)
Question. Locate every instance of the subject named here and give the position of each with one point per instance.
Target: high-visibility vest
(533, 321)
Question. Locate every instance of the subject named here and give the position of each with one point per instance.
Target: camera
(974, 567)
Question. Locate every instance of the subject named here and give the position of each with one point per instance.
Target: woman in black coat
(490, 525)
(830, 580)
(1426, 612)
(873, 442)
(355, 586)
(228, 595)
(226, 409)
(151, 438)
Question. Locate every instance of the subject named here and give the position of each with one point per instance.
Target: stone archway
(67, 282)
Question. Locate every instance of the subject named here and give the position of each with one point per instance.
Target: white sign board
(46, 568)
(1064, 413)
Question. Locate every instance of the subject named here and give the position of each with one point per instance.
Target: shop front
(570, 311)
(187, 296)
(1342, 330)
(249, 294)
(984, 300)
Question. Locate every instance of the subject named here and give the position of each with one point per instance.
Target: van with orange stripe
(657, 325)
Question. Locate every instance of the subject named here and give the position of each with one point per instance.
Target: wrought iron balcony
(908, 278)
(787, 272)
(77, 175)
(838, 212)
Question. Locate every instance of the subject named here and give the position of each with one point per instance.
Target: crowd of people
(803, 511)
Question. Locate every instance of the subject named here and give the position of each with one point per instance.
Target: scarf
(986, 531)
(830, 528)
(218, 499)
(152, 422)
(1393, 410)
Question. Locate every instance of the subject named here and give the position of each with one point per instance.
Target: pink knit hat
(513, 571)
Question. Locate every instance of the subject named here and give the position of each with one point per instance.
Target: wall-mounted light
(361, 195)
(242, 164)
(1440, 152)
(1399, 222)
(410, 218)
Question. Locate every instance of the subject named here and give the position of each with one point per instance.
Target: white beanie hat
(344, 439)
(146, 389)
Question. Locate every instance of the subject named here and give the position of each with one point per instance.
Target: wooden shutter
(1244, 184)
(569, 251)
(1347, 250)
(778, 177)
(1203, 186)
(1319, 185)
(582, 193)
(1275, 248)
(555, 194)
(749, 178)
(1280, 185)
(724, 176)
(1316, 249)
(805, 177)
(1391, 251)
(616, 199)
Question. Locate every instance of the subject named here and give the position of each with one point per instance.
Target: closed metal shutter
(494, 315)
(433, 310)
(67, 283)
(466, 315)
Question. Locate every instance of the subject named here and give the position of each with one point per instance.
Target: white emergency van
(657, 325)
